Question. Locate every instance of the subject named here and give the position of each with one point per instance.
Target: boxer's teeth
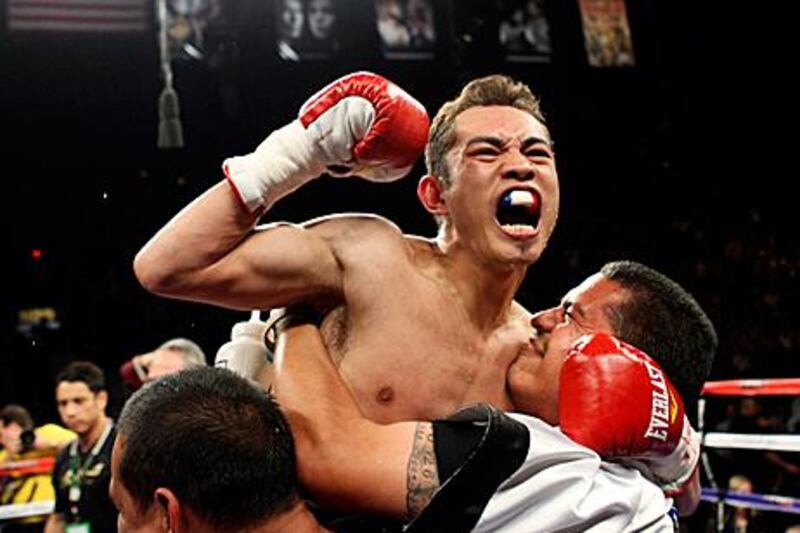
(520, 198)
(518, 228)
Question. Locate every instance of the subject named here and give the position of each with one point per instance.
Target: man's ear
(170, 513)
(431, 194)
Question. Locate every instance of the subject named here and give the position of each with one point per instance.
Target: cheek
(533, 388)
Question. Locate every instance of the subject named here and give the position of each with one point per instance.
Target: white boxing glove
(361, 124)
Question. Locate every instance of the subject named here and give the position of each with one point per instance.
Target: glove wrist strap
(287, 159)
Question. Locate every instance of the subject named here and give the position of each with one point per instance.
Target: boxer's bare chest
(407, 349)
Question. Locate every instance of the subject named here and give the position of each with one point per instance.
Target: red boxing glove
(390, 125)
(616, 400)
(361, 124)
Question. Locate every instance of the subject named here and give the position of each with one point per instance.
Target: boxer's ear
(431, 194)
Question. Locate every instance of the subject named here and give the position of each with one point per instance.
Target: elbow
(152, 275)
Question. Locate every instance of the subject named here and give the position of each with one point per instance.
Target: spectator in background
(20, 440)
(172, 356)
(82, 471)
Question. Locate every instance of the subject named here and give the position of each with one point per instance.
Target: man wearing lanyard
(82, 472)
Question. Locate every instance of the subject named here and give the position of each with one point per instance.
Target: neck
(485, 289)
(90, 438)
(297, 519)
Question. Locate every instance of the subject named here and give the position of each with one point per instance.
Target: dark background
(684, 162)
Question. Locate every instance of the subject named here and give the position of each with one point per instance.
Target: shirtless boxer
(491, 184)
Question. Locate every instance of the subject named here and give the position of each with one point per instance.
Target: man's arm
(209, 253)
(361, 124)
(688, 499)
(345, 460)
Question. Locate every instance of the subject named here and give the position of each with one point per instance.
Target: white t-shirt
(563, 486)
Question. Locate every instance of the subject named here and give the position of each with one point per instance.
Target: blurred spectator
(22, 441)
(82, 471)
(172, 356)
(740, 518)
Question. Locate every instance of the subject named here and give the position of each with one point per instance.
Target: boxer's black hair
(663, 319)
(220, 444)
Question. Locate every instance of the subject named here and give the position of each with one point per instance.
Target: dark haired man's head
(81, 397)
(208, 442)
(663, 319)
(633, 302)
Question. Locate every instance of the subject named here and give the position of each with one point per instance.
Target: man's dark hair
(18, 414)
(219, 443)
(663, 319)
(84, 371)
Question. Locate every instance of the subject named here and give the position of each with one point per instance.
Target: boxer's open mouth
(519, 211)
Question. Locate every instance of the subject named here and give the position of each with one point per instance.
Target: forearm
(687, 501)
(198, 237)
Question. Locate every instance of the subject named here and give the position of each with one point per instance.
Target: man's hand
(616, 400)
(361, 124)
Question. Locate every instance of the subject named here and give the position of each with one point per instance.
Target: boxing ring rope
(788, 443)
(753, 387)
(763, 502)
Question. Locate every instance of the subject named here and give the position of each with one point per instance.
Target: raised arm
(209, 252)
(360, 125)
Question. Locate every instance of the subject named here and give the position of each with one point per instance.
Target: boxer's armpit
(423, 475)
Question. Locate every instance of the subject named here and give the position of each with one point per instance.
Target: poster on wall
(523, 31)
(606, 33)
(194, 28)
(406, 28)
(307, 29)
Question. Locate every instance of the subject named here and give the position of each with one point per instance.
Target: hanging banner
(606, 33)
(98, 16)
